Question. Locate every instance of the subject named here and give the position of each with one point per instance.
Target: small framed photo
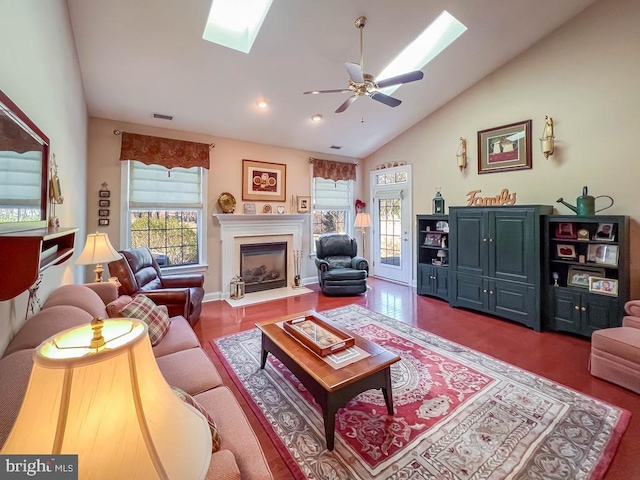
(103, 213)
(566, 251)
(304, 204)
(579, 276)
(103, 222)
(583, 234)
(604, 232)
(605, 254)
(565, 230)
(433, 239)
(249, 208)
(104, 193)
(104, 203)
(606, 286)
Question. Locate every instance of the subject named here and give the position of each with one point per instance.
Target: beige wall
(585, 76)
(225, 175)
(40, 73)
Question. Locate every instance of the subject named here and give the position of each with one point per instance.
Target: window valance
(164, 151)
(333, 170)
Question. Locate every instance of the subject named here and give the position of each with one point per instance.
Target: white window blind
(151, 186)
(330, 195)
(20, 178)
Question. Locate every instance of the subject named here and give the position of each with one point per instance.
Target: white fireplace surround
(237, 229)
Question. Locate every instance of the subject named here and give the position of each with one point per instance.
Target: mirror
(24, 152)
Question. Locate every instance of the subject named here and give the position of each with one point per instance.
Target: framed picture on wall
(264, 181)
(505, 148)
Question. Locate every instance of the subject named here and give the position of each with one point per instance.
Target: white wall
(39, 72)
(225, 175)
(585, 75)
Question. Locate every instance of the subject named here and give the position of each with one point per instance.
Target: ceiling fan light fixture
(235, 24)
(317, 117)
(441, 33)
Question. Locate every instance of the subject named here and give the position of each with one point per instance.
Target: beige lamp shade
(98, 250)
(363, 220)
(110, 406)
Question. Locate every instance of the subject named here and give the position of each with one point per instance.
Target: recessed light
(317, 117)
(262, 103)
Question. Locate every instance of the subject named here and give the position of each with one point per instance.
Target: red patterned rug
(459, 414)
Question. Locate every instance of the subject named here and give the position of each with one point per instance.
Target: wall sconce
(546, 141)
(461, 154)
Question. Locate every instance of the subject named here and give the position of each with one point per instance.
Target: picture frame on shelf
(603, 253)
(579, 276)
(249, 208)
(583, 234)
(263, 181)
(505, 148)
(304, 204)
(604, 232)
(433, 239)
(566, 230)
(605, 286)
(566, 251)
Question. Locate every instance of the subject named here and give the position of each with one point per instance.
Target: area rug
(459, 414)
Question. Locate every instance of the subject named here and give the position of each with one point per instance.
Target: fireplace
(263, 266)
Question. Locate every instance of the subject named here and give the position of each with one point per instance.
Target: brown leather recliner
(138, 272)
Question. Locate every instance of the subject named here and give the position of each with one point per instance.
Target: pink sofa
(180, 359)
(615, 352)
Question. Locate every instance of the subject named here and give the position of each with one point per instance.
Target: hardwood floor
(559, 357)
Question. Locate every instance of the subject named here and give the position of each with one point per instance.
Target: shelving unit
(433, 255)
(29, 252)
(569, 261)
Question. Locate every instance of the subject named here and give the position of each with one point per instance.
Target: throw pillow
(114, 309)
(189, 400)
(143, 308)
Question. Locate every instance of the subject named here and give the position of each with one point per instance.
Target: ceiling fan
(364, 84)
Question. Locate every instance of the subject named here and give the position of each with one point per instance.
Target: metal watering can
(586, 204)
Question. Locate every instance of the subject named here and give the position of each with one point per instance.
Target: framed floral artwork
(505, 148)
(263, 181)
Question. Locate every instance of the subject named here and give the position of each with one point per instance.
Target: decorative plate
(266, 208)
(227, 202)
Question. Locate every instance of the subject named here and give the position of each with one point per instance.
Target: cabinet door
(565, 310)
(424, 279)
(516, 301)
(441, 282)
(512, 245)
(469, 291)
(467, 249)
(598, 312)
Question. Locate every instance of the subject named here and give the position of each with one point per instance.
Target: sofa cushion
(223, 466)
(114, 309)
(45, 324)
(78, 296)
(189, 400)
(236, 433)
(179, 337)
(191, 370)
(15, 372)
(143, 308)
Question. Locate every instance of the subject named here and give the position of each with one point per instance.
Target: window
(165, 212)
(20, 186)
(332, 202)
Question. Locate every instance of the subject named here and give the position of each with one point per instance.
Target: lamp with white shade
(98, 250)
(363, 221)
(108, 403)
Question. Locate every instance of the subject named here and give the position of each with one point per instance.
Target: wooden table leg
(329, 415)
(387, 392)
(263, 362)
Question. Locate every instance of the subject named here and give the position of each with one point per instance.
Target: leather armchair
(138, 272)
(340, 270)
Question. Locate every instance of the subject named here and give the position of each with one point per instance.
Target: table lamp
(96, 391)
(363, 220)
(98, 250)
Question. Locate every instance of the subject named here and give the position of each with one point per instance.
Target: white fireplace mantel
(242, 227)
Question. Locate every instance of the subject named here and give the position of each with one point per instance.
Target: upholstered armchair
(138, 272)
(340, 270)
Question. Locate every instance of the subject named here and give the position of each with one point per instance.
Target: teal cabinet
(580, 312)
(433, 280)
(433, 255)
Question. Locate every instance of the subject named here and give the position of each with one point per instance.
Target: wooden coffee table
(331, 388)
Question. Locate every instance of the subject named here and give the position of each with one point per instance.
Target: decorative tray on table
(317, 335)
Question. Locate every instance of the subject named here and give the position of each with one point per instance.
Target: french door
(391, 215)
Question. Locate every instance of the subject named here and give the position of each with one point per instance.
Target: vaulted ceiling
(147, 56)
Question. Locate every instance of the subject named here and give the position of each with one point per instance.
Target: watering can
(586, 204)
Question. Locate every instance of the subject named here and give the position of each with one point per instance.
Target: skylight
(442, 32)
(235, 23)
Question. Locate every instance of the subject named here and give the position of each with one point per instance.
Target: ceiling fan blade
(386, 99)
(315, 92)
(355, 72)
(404, 78)
(346, 103)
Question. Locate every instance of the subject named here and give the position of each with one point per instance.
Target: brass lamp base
(98, 271)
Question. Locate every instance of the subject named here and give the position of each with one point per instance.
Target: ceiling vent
(162, 117)
(335, 147)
